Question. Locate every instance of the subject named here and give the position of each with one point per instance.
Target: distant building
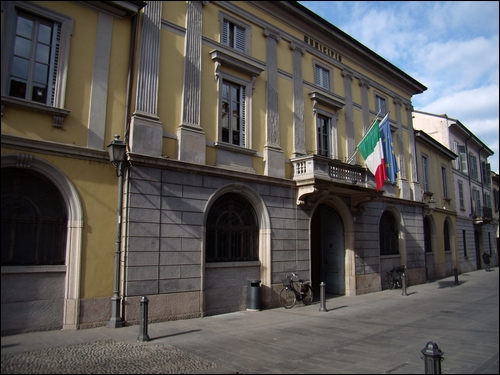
(440, 215)
(241, 121)
(472, 182)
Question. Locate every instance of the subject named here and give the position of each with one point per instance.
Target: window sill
(390, 256)
(251, 263)
(234, 148)
(32, 269)
(58, 113)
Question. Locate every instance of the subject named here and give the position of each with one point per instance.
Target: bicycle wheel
(287, 298)
(390, 281)
(307, 297)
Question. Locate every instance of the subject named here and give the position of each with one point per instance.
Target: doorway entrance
(327, 250)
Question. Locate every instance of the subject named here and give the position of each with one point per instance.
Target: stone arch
(401, 234)
(74, 233)
(341, 208)
(264, 223)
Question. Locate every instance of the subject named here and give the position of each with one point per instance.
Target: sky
(451, 47)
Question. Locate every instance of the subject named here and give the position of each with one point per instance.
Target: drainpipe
(481, 176)
(468, 166)
(116, 320)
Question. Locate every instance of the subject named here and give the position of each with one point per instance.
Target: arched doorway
(429, 254)
(477, 244)
(231, 253)
(328, 250)
(54, 178)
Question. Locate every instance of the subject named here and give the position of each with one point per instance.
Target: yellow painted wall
(96, 184)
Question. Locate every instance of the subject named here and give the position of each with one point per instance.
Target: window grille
(232, 230)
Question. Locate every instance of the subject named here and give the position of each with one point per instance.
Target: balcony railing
(482, 215)
(318, 167)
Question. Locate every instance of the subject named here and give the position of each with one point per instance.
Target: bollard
(455, 273)
(143, 333)
(432, 358)
(403, 284)
(322, 302)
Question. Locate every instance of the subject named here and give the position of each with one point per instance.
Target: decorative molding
(295, 47)
(364, 83)
(347, 74)
(326, 100)
(235, 61)
(58, 114)
(24, 160)
(270, 33)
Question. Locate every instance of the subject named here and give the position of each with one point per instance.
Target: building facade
(434, 168)
(472, 182)
(241, 122)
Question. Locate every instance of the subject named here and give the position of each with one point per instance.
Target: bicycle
(295, 289)
(393, 277)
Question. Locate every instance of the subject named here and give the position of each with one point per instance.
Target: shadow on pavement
(448, 284)
(174, 334)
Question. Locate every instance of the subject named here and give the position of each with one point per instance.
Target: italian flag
(371, 149)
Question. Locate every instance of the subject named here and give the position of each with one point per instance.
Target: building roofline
(430, 141)
(297, 7)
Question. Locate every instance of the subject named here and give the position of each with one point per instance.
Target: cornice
(53, 148)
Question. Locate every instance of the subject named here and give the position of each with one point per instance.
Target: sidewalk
(380, 332)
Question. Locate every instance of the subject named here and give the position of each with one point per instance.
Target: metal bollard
(455, 273)
(403, 284)
(432, 358)
(322, 303)
(143, 333)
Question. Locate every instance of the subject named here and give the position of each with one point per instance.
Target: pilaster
(274, 157)
(349, 120)
(299, 129)
(190, 135)
(365, 86)
(146, 133)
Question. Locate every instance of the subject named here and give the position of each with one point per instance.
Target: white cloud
(451, 47)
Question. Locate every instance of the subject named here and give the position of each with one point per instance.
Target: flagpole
(356, 150)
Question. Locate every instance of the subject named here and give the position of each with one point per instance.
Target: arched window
(427, 236)
(388, 235)
(446, 233)
(34, 219)
(232, 230)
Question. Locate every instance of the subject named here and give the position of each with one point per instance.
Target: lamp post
(428, 209)
(117, 156)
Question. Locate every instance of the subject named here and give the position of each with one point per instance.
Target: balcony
(317, 175)
(310, 167)
(482, 215)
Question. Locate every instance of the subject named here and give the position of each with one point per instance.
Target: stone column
(417, 190)
(402, 182)
(349, 120)
(191, 138)
(299, 126)
(274, 158)
(146, 132)
(365, 86)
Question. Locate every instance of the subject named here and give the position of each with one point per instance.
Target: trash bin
(253, 295)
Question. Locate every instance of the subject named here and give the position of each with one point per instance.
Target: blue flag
(391, 165)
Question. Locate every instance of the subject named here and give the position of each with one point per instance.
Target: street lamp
(117, 156)
(116, 150)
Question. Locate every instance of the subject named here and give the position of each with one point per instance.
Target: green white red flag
(372, 151)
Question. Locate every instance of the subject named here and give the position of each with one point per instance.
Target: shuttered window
(33, 65)
(233, 36)
(233, 114)
(322, 77)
